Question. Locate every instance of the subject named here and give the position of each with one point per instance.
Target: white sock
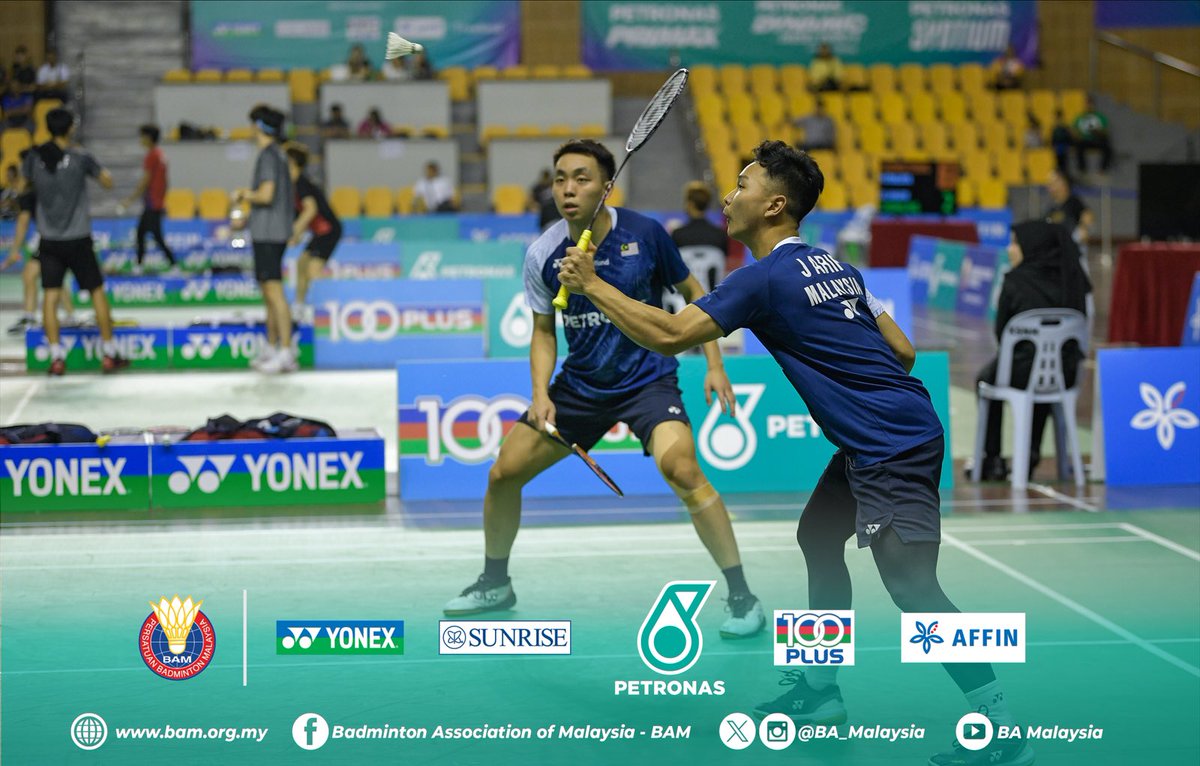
(990, 701)
(57, 351)
(109, 347)
(821, 677)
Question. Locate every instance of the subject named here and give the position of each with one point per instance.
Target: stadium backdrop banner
(618, 34)
(312, 34)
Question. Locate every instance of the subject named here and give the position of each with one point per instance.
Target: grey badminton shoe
(483, 595)
(746, 618)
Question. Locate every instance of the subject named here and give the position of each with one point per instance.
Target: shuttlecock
(397, 46)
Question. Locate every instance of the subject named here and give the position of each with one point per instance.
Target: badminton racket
(586, 458)
(397, 47)
(652, 116)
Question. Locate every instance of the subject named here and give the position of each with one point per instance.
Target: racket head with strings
(601, 474)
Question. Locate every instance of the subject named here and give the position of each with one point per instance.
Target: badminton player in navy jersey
(849, 362)
(605, 379)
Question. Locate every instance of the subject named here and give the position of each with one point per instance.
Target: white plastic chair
(1048, 330)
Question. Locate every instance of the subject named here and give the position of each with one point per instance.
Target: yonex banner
(453, 416)
(177, 291)
(182, 236)
(62, 477)
(231, 345)
(620, 34)
(371, 324)
(408, 228)
(147, 348)
(485, 227)
(354, 260)
(510, 320)
(274, 472)
(1151, 399)
(1191, 326)
(212, 346)
(461, 260)
(317, 33)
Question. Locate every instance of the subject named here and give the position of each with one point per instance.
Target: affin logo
(1163, 413)
(669, 640)
(729, 446)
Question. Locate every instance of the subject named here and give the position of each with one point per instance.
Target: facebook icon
(310, 731)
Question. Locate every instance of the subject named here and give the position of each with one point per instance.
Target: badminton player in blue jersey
(849, 362)
(605, 379)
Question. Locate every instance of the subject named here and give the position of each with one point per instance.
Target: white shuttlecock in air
(397, 46)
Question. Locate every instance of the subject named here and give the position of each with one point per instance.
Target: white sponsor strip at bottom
(1074, 606)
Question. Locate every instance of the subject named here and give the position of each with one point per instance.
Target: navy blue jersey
(813, 314)
(637, 257)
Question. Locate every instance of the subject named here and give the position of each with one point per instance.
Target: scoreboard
(912, 188)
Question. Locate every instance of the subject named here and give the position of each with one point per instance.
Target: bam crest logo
(208, 481)
(729, 446)
(177, 640)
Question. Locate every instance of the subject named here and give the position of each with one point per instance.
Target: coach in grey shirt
(272, 209)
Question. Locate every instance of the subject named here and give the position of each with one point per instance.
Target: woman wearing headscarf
(1045, 273)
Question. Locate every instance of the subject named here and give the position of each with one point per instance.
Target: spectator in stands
(54, 78)
(819, 130)
(395, 70)
(1061, 141)
(10, 193)
(17, 106)
(24, 76)
(1046, 273)
(313, 214)
(1091, 132)
(434, 193)
(703, 245)
(374, 126)
(152, 188)
(272, 207)
(1033, 133)
(825, 71)
(1066, 209)
(541, 200)
(1008, 73)
(420, 66)
(356, 69)
(336, 126)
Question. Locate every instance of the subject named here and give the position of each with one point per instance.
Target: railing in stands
(1160, 60)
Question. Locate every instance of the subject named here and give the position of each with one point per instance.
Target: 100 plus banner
(313, 34)
(647, 35)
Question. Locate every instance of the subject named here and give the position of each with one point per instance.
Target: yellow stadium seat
(882, 78)
(458, 81)
(763, 80)
(1072, 103)
(941, 78)
(546, 72)
(214, 204)
(966, 137)
(854, 167)
(871, 138)
(893, 107)
(404, 200)
(180, 204)
(1009, 167)
(971, 78)
(1014, 108)
(826, 160)
(528, 131)
(559, 130)
(862, 107)
(485, 73)
(1038, 165)
(207, 75)
(835, 105)
(509, 199)
(617, 198)
(40, 136)
(854, 77)
(435, 131)
(717, 136)
(935, 141)
(13, 141)
(747, 135)
(346, 202)
(490, 132)
(239, 75)
(576, 72)
(793, 78)
(302, 83)
(977, 165)
(241, 134)
(1042, 107)
(966, 194)
(592, 130)
(270, 75)
(911, 77)
(953, 108)
(177, 75)
(771, 111)
(515, 72)
(864, 193)
(923, 108)
(40, 110)
(992, 193)
(703, 79)
(834, 197)
(904, 140)
(800, 104)
(983, 106)
(997, 136)
(377, 202)
(740, 106)
(733, 79)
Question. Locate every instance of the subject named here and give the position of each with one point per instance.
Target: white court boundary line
(1056, 495)
(1170, 545)
(29, 394)
(1074, 606)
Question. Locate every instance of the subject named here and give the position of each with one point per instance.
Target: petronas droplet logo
(516, 325)
(730, 443)
(670, 641)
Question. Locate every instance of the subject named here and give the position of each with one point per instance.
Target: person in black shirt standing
(314, 214)
(703, 245)
(1067, 209)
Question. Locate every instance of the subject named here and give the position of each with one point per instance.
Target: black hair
(151, 132)
(297, 153)
(269, 120)
(59, 122)
(796, 172)
(593, 149)
(698, 195)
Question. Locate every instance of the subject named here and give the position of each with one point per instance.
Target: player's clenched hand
(541, 412)
(577, 269)
(717, 382)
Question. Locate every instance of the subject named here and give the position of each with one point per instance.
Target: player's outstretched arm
(897, 340)
(715, 381)
(647, 326)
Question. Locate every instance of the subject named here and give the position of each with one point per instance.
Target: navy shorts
(584, 421)
(268, 261)
(901, 493)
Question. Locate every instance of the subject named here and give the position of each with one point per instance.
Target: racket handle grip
(560, 300)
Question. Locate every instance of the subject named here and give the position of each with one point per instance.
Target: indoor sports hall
(186, 575)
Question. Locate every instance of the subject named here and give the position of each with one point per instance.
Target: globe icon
(89, 731)
(193, 647)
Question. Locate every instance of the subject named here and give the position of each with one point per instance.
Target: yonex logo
(42, 352)
(302, 637)
(195, 290)
(729, 446)
(669, 640)
(851, 309)
(872, 529)
(339, 637)
(1163, 414)
(201, 345)
(207, 481)
(674, 410)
